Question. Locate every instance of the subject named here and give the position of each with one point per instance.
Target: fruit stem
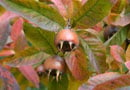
(68, 26)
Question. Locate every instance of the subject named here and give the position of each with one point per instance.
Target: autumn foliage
(64, 44)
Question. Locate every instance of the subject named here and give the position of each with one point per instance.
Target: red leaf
(20, 44)
(113, 84)
(117, 52)
(9, 45)
(107, 81)
(113, 1)
(99, 79)
(4, 26)
(84, 1)
(30, 74)
(18, 36)
(65, 7)
(7, 67)
(127, 64)
(102, 78)
(98, 27)
(77, 65)
(59, 4)
(69, 6)
(7, 52)
(7, 16)
(17, 29)
(8, 79)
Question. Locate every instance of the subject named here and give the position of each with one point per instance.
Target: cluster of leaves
(28, 29)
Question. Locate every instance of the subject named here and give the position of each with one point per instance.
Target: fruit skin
(66, 40)
(55, 63)
(110, 31)
(40, 70)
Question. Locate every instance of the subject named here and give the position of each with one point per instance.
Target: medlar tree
(64, 44)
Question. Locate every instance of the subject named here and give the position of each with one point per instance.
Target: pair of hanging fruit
(66, 40)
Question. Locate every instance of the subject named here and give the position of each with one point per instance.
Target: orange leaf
(117, 52)
(77, 64)
(7, 52)
(128, 53)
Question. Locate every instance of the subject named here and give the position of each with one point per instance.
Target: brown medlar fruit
(54, 66)
(66, 40)
(40, 70)
(110, 31)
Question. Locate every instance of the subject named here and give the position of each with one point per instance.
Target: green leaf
(94, 50)
(42, 87)
(39, 13)
(40, 38)
(74, 84)
(119, 6)
(127, 11)
(28, 56)
(2, 10)
(91, 13)
(119, 37)
(60, 85)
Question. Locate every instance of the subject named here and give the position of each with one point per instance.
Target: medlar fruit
(110, 31)
(66, 40)
(54, 66)
(40, 70)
